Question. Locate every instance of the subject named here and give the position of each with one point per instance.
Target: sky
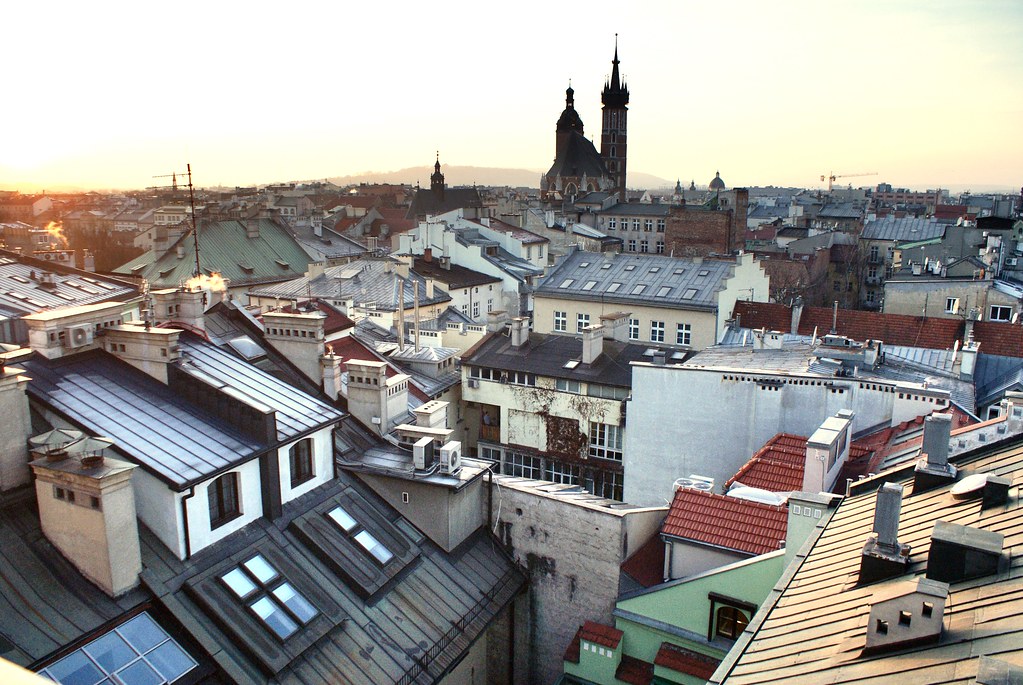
(104, 94)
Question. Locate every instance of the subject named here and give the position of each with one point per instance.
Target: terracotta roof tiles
(635, 671)
(686, 661)
(777, 466)
(600, 634)
(727, 522)
(646, 566)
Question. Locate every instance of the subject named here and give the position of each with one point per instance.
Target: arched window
(301, 458)
(730, 622)
(570, 190)
(224, 501)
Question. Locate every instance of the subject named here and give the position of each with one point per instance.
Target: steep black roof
(430, 201)
(576, 156)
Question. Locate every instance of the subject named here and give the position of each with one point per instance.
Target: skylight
(567, 283)
(605, 265)
(689, 294)
(343, 519)
(19, 279)
(363, 537)
(276, 603)
(589, 285)
(663, 292)
(571, 363)
(137, 651)
(630, 267)
(613, 288)
(584, 265)
(678, 272)
(638, 290)
(654, 269)
(702, 273)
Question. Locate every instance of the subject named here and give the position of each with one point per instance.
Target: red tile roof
(727, 522)
(686, 661)
(1005, 339)
(777, 466)
(634, 671)
(572, 653)
(646, 566)
(395, 219)
(600, 634)
(336, 321)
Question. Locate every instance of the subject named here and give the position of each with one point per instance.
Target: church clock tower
(613, 129)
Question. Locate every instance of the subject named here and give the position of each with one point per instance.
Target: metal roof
(637, 209)
(654, 280)
(32, 285)
(903, 229)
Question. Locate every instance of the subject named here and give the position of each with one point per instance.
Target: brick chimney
(88, 513)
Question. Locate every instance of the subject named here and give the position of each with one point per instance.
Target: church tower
(613, 130)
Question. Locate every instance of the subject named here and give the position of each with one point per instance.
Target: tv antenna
(191, 202)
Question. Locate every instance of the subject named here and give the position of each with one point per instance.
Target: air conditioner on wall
(451, 457)
(79, 336)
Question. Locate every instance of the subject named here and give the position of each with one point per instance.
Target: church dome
(716, 183)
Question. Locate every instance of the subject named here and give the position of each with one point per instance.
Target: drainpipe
(184, 516)
(490, 500)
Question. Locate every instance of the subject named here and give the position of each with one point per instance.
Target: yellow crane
(832, 176)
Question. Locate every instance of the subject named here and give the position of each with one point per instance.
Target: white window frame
(633, 329)
(657, 331)
(999, 308)
(581, 322)
(684, 334)
(561, 322)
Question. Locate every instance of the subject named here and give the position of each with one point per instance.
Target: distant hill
(484, 176)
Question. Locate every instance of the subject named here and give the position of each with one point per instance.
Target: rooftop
(903, 229)
(728, 522)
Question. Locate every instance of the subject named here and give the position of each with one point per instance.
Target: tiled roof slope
(600, 634)
(777, 466)
(728, 522)
(1003, 339)
(812, 628)
(646, 566)
(634, 671)
(685, 661)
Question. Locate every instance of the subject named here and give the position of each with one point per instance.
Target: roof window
(702, 273)
(663, 292)
(584, 265)
(363, 537)
(567, 283)
(689, 294)
(589, 285)
(280, 607)
(678, 272)
(613, 288)
(638, 290)
(605, 265)
(654, 269)
(630, 267)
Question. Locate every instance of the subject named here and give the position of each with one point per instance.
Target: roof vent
(910, 613)
(993, 489)
(993, 671)
(961, 552)
(884, 556)
(933, 469)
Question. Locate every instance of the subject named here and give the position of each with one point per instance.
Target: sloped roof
(728, 522)
(812, 627)
(646, 565)
(23, 290)
(777, 466)
(904, 228)
(600, 634)
(634, 671)
(225, 247)
(576, 157)
(428, 202)
(1004, 339)
(685, 661)
(454, 276)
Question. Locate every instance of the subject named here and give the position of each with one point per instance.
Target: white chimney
(593, 343)
(496, 320)
(299, 337)
(373, 398)
(826, 450)
(331, 364)
(519, 331)
(148, 349)
(88, 513)
(17, 425)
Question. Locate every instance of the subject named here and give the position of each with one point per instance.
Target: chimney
(252, 227)
(593, 343)
(88, 513)
(430, 283)
(969, 359)
(179, 250)
(519, 331)
(373, 398)
(496, 320)
(331, 366)
(433, 414)
(797, 314)
(616, 326)
(17, 423)
(428, 255)
(299, 337)
(147, 349)
(88, 261)
(933, 469)
(1012, 409)
(909, 613)
(315, 270)
(961, 552)
(826, 450)
(884, 556)
(185, 305)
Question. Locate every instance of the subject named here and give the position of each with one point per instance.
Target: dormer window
(274, 600)
(301, 458)
(363, 537)
(224, 502)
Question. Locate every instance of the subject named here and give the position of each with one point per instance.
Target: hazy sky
(108, 94)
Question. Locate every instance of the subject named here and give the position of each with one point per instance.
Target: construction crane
(832, 176)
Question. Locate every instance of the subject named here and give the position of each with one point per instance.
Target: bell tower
(615, 99)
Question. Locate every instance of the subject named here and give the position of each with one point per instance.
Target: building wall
(715, 420)
(913, 297)
(17, 428)
(693, 232)
(683, 558)
(323, 465)
(572, 552)
(748, 282)
(159, 508)
(250, 495)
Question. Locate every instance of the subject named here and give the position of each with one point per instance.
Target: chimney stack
(616, 326)
(593, 343)
(14, 469)
(797, 314)
(299, 337)
(252, 227)
(884, 556)
(147, 349)
(519, 331)
(496, 320)
(933, 469)
(331, 366)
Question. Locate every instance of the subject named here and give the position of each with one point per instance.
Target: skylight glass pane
(142, 633)
(689, 294)
(566, 283)
(613, 288)
(655, 269)
(239, 582)
(638, 290)
(110, 651)
(605, 266)
(171, 661)
(274, 617)
(261, 568)
(703, 272)
(140, 673)
(589, 285)
(341, 518)
(298, 604)
(373, 546)
(75, 668)
(630, 267)
(584, 265)
(663, 292)
(678, 272)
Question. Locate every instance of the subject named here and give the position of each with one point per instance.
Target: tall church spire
(616, 83)
(615, 99)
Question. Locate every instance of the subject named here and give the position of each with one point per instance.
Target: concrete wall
(572, 552)
(684, 420)
(250, 497)
(748, 282)
(17, 428)
(914, 297)
(159, 508)
(683, 558)
(473, 669)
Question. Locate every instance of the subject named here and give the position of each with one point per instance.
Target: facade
(935, 296)
(715, 228)
(878, 244)
(676, 302)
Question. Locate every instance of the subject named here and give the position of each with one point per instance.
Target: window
(362, 537)
(567, 283)
(567, 386)
(605, 441)
(657, 331)
(836, 286)
(633, 329)
(137, 651)
(581, 322)
(660, 247)
(613, 288)
(561, 321)
(635, 224)
(689, 294)
(1000, 313)
(490, 304)
(684, 334)
(730, 622)
(476, 309)
(660, 225)
(273, 600)
(612, 223)
(521, 465)
(644, 246)
(648, 224)
(951, 305)
(224, 504)
(664, 291)
(608, 484)
(561, 473)
(609, 392)
(589, 285)
(873, 253)
(632, 246)
(301, 456)
(638, 290)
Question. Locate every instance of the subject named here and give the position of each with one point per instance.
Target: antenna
(191, 201)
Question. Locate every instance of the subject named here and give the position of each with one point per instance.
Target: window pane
(171, 661)
(298, 604)
(140, 673)
(239, 582)
(260, 568)
(373, 546)
(341, 518)
(142, 633)
(274, 617)
(111, 652)
(75, 669)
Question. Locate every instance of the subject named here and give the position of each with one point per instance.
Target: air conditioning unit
(451, 457)
(79, 336)
(702, 482)
(1011, 261)
(474, 383)
(422, 453)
